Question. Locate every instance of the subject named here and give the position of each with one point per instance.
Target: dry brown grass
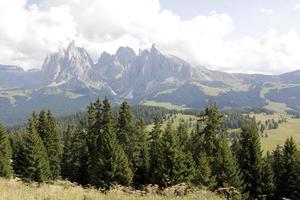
(62, 190)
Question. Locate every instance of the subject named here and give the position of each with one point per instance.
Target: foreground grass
(16, 190)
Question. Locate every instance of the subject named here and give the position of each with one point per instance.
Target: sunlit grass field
(164, 105)
(275, 137)
(278, 136)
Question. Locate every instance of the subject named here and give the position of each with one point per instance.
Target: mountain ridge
(69, 79)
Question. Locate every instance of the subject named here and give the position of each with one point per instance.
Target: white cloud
(28, 34)
(266, 10)
(296, 7)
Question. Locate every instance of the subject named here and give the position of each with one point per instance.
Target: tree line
(107, 149)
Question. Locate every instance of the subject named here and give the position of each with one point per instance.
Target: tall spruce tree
(212, 130)
(211, 127)
(155, 152)
(74, 163)
(5, 154)
(176, 167)
(250, 159)
(46, 127)
(67, 161)
(278, 168)
(140, 155)
(35, 163)
(227, 171)
(94, 131)
(125, 127)
(203, 173)
(184, 137)
(42, 125)
(17, 144)
(133, 140)
(268, 185)
(235, 147)
(296, 184)
(112, 165)
(53, 146)
(290, 173)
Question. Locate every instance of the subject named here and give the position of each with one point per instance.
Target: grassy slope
(275, 136)
(271, 105)
(164, 105)
(278, 136)
(14, 190)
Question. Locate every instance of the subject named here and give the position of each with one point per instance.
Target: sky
(258, 36)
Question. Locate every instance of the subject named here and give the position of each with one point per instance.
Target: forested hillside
(103, 148)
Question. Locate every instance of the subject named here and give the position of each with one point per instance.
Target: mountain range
(69, 79)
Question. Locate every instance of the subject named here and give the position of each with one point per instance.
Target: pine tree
(46, 127)
(42, 126)
(289, 182)
(111, 162)
(176, 166)
(250, 159)
(17, 144)
(184, 137)
(125, 127)
(35, 164)
(155, 152)
(235, 147)
(203, 175)
(268, 185)
(75, 156)
(227, 170)
(5, 154)
(296, 184)
(203, 172)
(278, 168)
(67, 162)
(140, 157)
(286, 167)
(134, 142)
(94, 131)
(53, 146)
(213, 130)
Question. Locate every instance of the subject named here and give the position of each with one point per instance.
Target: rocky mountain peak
(62, 66)
(105, 58)
(154, 49)
(11, 68)
(73, 51)
(125, 55)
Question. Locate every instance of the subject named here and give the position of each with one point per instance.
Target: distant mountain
(69, 80)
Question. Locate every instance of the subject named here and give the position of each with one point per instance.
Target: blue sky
(258, 36)
(250, 17)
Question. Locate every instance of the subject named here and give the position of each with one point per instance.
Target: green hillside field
(275, 137)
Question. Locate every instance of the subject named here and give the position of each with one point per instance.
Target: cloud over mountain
(29, 31)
